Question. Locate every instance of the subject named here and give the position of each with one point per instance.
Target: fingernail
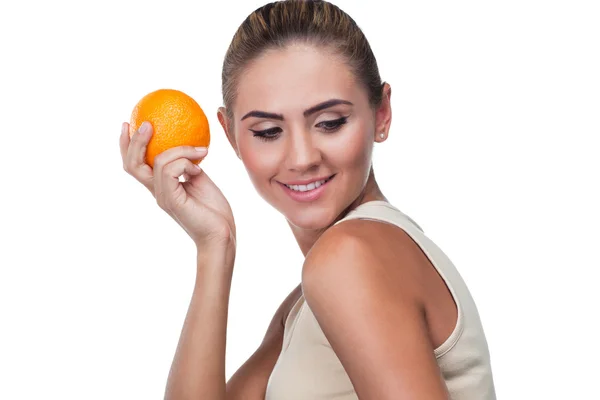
(201, 149)
(144, 127)
(123, 127)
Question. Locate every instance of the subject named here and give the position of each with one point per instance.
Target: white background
(493, 151)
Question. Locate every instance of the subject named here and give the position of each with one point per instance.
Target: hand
(196, 204)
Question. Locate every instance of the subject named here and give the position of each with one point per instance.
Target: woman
(381, 312)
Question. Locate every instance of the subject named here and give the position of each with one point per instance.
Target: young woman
(381, 312)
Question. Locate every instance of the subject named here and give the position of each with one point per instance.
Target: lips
(308, 186)
(309, 192)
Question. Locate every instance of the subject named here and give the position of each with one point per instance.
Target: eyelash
(329, 126)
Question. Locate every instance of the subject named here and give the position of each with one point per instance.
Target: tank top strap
(382, 211)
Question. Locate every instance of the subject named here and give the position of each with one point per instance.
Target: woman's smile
(305, 191)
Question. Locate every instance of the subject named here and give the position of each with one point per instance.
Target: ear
(224, 120)
(383, 114)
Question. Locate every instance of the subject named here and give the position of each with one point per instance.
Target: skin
(304, 78)
(350, 269)
(376, 263)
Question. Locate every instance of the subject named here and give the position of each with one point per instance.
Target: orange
(176, 118)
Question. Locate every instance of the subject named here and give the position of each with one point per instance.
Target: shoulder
(361, 281)
(369, 251)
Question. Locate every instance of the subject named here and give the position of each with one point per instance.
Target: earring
(382, 135)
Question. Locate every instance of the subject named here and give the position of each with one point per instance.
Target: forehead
(292, 79)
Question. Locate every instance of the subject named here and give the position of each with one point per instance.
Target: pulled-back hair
(277, 24)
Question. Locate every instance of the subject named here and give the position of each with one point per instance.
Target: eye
(267, 134)
(333, 125)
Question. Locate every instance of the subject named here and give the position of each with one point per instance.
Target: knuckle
(159, 160)
(173, 167)
(135, 138)
(166, 168)
(129, 166)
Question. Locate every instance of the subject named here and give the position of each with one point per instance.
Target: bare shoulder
(368, 247)
(363, 282)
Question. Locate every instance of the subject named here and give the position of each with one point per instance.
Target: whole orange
(176, 118)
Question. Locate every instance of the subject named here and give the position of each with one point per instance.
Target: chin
(312, 218)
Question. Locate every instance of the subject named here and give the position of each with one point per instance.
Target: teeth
(306, 188)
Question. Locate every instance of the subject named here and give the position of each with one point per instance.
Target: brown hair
(321, 23)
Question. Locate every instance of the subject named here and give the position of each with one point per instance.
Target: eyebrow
(321, 106)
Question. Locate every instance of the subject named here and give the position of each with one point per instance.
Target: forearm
(198, 368)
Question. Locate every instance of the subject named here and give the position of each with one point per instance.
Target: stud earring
(382, 135)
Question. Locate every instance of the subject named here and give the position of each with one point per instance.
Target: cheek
(353, 149)
(260, 159)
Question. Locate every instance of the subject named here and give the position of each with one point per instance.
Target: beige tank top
(308, 368)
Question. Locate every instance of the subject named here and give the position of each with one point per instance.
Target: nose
(302, 152)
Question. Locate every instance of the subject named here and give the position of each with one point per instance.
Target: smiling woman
(308, 119)
(381, 312)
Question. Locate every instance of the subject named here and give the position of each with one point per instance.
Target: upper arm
(376, 328)
(249, 382)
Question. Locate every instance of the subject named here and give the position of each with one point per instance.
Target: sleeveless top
(308, 368)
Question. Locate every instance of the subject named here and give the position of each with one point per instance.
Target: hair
(277, 24)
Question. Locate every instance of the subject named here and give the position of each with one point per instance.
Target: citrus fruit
(176, 118)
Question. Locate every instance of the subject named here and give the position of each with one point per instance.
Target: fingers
(170, 188)
(168, 165)
(133, 153)
(124, 140)
(171, 164)
(138, 145)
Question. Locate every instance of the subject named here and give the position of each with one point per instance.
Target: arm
(198, 368)
(364, 298)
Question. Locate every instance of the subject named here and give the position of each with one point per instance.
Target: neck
(306, 238)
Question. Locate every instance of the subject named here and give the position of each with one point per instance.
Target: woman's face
(301, 117)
